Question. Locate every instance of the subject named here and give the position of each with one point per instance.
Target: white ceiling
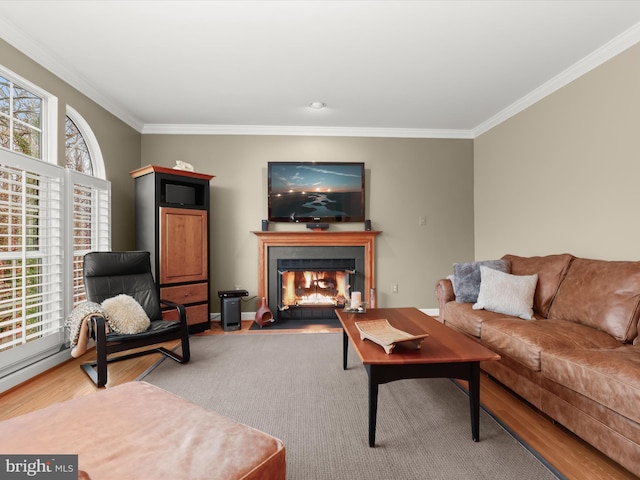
(387, 68)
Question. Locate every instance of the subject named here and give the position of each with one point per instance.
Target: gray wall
(562, 176)
(119, 143)
(405, 178)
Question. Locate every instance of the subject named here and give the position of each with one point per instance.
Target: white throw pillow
(126, 314)
(506, 293)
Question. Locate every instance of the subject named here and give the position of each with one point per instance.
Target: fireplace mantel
(364, 239)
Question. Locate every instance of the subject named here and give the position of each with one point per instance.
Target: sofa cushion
(551, 269)
(601, 294)
(466, 278)
(505, 293)
(525, 340)
(461, 317)
(608, 376)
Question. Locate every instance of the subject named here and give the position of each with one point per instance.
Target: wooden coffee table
(445, 353)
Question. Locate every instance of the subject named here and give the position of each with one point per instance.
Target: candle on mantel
(356, 300)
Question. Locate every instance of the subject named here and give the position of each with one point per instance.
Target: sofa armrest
(444, 293)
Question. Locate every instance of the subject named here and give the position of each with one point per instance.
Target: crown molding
(178, 129)
(609, 50)
(55, 65)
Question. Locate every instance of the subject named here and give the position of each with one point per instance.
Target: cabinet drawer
(195, 314)
(184, 294)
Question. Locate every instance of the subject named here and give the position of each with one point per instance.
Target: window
(91, 196)
(31, 259)
(20, 119)
(76, 152)
(82, 151)
(90, 208)
(50, 217)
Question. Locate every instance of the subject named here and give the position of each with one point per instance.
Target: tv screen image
(316, 192)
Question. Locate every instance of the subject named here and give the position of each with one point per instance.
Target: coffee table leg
(345, 348)
(373, 409)
(474, 400)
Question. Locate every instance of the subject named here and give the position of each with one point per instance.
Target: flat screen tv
(316, 192)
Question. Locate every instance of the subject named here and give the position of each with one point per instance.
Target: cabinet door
(183, 245)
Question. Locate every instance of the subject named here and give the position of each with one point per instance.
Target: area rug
(294, 388)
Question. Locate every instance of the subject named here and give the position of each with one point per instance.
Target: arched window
(91, 196)
(82, 152)
(76, 152)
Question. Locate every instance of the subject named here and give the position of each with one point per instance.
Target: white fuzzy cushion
(126, 314)
(505, 293)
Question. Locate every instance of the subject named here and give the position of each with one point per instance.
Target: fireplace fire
(301, 288)
(309, 283)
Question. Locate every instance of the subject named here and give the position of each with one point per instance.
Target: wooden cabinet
(172, 222)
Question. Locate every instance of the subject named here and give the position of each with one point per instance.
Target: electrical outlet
(394, 288)
(422, 220)
(238, 287)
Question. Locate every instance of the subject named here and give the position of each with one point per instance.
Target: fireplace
(306, 249)
(307, 287)
(311, 282)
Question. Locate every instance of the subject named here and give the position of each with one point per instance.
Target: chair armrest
(182, 311)
(445, 294)
(184, 331)
(97, 327)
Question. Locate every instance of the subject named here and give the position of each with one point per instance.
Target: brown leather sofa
(578, 359)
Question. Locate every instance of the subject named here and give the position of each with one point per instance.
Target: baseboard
(16, 378)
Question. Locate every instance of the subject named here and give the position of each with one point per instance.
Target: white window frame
(49, 128)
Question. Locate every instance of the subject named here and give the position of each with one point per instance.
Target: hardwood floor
(571, 457)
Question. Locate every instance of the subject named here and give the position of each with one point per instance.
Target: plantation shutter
(91, 219)
(32, 299)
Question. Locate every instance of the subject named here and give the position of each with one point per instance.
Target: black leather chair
(107, 274)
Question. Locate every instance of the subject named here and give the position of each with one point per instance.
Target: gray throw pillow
(467, 278)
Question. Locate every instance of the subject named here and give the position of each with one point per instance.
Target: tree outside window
(76, 153)
(20, 119)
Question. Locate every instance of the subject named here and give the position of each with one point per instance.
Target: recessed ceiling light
(317, 105)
